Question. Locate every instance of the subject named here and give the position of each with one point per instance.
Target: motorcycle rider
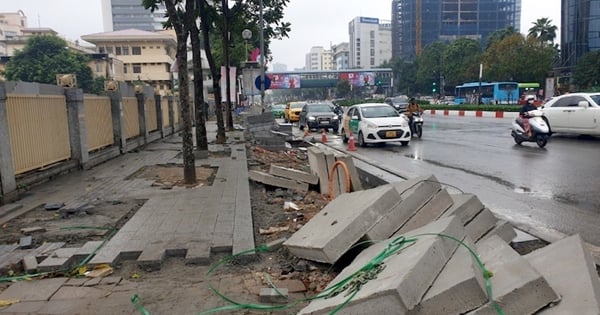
(413, 107)
(529, 106)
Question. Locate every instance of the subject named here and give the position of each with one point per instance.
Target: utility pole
(226, 61)
(262, 58)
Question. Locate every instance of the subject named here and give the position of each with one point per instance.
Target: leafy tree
(587, 72)
(429, 64)
(543, 30)
(178, 18)
(500, 35)
(43, 57)
(516, 58)
(404, 75)
(343, 88)
(461, 61)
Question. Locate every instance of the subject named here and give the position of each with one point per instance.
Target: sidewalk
(189, 222)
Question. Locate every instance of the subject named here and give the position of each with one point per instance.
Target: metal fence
(98, 122)
(39, 130)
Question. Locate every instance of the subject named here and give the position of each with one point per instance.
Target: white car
(375, 123)
(575, 113)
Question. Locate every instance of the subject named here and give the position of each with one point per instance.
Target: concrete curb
(467, 113)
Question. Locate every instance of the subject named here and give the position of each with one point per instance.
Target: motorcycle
(540, 131)
(416, 126)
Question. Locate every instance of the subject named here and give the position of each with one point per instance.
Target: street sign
(267, 82)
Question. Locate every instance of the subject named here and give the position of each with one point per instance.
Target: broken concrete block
(414, 193)
(337, 183)
(30, 263)
(25, 242)
(270, 295)
(344, 221)
(61, 259)
(293, 174)
(459, 288)
(483, 222)
(430, 212)
(318, 166)
(33, 229)
(517, 287)
(406, 275)
(466, 206)
(568, 267)
(269, 179)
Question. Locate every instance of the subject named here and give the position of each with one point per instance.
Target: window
(124, 68)
(137, 68)
(136, 50)
(109, 50)
(125, 50)
(118, 51)
(101, 50)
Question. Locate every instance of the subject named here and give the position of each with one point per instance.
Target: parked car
(292, 111)
(400, 103)
(575, 113)
(278, 110)
(375, 123)
(319, 116)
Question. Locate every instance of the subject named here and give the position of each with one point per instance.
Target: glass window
(118, 51)
(137, 68)
(125, 50)
(124, 68)
(136, 50)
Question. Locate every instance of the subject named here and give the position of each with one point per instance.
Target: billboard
(358, 78)
(285, 81)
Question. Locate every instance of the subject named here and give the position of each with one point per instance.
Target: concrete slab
(405, 279)
(39, 290)
(76, 293)
(483, 222)
(318, 166)
(269, 179)
(293, 174)
(344, 221)
(568, 267)
(459, 288)
(30, 263)
(198, 253)
(430, 212)
(337, 183)
(504, 230)
(466, 206)
(152, 256)
(517, 287)
(61, 259)
(414, 193)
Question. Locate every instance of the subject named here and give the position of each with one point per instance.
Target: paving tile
(75, 293)
(38, 290)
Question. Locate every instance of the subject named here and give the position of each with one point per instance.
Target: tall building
(11, 26)
(580, 30)
(418, 23)
(370, 42)
(341, 56)
(127, 14)
(319, 58)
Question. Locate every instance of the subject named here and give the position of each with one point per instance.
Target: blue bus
(491, 93)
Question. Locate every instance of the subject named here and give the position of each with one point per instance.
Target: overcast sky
(314, 22)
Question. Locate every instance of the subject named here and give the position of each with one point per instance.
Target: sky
(314, 22)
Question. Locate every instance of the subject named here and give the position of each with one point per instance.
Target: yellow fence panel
(165, 112)
(132, 117)
(176, 112)
(39, 130)
(98, 122)
(151, 120)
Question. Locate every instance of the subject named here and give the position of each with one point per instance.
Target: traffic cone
(351, 145)
(323, 136)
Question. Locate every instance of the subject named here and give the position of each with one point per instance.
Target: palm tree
(543, 30)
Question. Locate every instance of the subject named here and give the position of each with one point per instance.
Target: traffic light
(433, 88)
(378, 83)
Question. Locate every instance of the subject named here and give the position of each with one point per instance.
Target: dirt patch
(73, 226)
(168, 175)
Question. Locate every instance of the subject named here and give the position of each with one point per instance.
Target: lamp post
(246, 35)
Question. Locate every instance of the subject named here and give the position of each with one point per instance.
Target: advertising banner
(232, 84)
(285, 81)
(358, 78)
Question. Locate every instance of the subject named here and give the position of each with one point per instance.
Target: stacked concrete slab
(322, 160)
(259, 129)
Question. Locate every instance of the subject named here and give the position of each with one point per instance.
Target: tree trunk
(201, 110)
(226, 62)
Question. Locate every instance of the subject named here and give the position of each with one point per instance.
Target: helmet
(530, 99)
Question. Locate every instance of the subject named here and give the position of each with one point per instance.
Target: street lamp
(246, 35)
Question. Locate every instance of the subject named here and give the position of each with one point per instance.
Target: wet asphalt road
(548, 192)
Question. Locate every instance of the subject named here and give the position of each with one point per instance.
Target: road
(548, 192)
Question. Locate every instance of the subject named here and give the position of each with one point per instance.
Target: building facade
(418, 23)
(145, 56)
(370, 42)
(318, 58)
(126, 14)
(11, 24)
(580, 30)
(341, 56)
